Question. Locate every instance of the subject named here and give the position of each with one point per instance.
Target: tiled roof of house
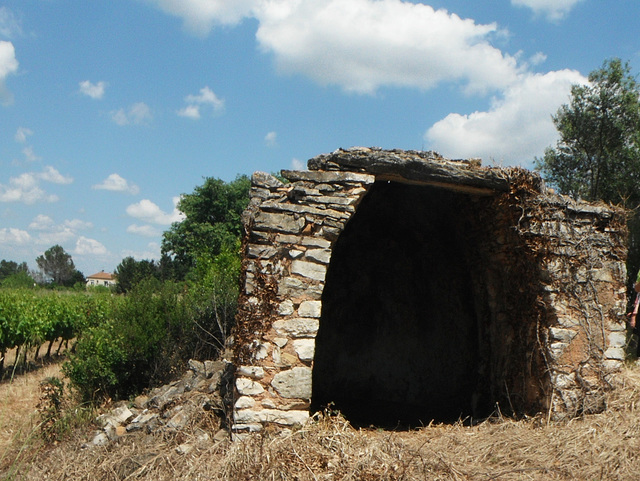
(104, 276)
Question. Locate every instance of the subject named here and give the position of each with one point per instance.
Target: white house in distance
(101, 278)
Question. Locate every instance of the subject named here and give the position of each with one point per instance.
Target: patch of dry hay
(605, 446)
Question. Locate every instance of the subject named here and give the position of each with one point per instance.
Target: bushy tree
(131, 272)
(598, 154)
(10, 268)
(58, 266)
(212, 221)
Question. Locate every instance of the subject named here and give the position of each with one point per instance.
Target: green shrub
(155, 329)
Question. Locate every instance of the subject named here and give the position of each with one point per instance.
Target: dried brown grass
(605, 446)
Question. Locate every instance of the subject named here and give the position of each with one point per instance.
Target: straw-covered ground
(604, 446)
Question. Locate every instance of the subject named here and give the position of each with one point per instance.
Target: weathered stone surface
(253, 372)
(248, 387)
(286, 308)
(617, 339)
(297, 288)
(245, 402)
(287, 418)
(297, 327)
(328, 177)
(268, 181)
(310, 270)
(616, 353)
(563, 335)
(279, 222)
(304, 348)
(319, 255)
(310, 309)
(294, 383)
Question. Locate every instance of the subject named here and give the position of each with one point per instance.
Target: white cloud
(50, 174)
(144, 230)
(206, 98)
(152, 252)
(41, 222)
(29, 154)
(515, 129)
(9, 25)
(8, 66)
(190, 111)
(85, 246)
(200, 16)
(554, 10)
(78, 224)
(147, 211)
(26, 189)
(14, 236)
(362, 45)
(271, 139)
(21, 134)
(138, 114)
(57, 235)
(116, 183)
(95, 91)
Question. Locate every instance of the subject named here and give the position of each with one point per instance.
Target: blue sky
(109, 111)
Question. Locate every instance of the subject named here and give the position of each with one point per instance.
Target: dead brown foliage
(596, 447)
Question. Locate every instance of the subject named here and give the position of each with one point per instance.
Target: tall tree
(212, 220)
(57, 265)
(131, 272)
(598, 154)
(9, 268)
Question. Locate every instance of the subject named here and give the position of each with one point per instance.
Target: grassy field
(605, 446)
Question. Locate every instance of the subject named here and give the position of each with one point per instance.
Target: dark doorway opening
(401, 338)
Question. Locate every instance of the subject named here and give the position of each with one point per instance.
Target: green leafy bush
(155, 329)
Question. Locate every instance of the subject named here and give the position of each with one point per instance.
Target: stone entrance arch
(404, 287)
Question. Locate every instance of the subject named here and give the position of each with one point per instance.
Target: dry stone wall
(546, 288)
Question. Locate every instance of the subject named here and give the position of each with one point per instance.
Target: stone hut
(401, 287)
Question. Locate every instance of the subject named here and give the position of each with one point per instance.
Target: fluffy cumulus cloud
(116, 183)
(26, 188)
(517, 126)
(95, 91)
(554, 10)
(12, 236)
(206, 98)
(138, 114)
(8, 66)
(86, 246)
(362, 45)
(200, 16)
(144, 230)
(147, 211)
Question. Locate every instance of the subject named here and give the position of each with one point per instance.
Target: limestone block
(255, 251)
(556, 349)
(304, 348)
(294, 383)
(563, 335)
(297, 327)
(310, 309)
(611, 365)
(248, 387)
(320, 255)
(309, 270)
(279, 222)
(294, 287)
(617, 339)
(287, 418)
(280, 341)
(252, 372)
(564, 381)
(268, 181)
(316, 242)
(245, 402)
(286, 308)
(616, 353)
